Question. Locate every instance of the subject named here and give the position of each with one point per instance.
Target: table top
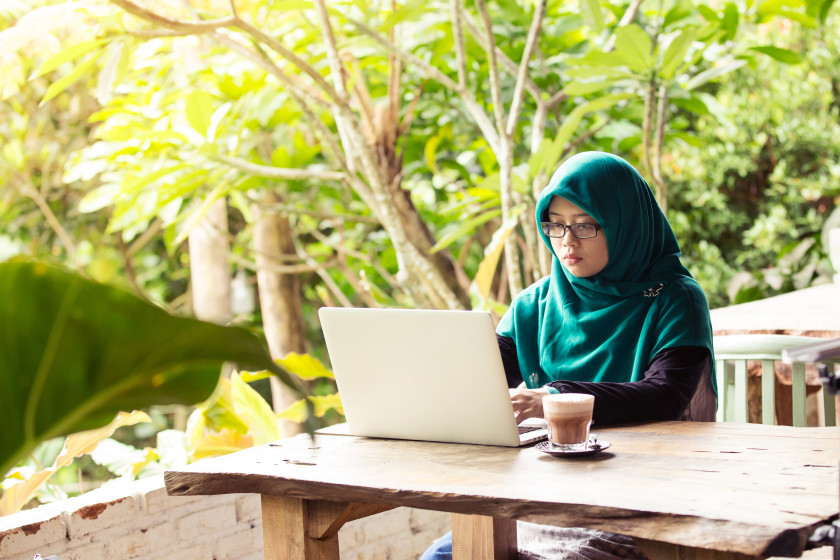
(748, 488)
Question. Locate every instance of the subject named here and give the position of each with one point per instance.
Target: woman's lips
(571, 259)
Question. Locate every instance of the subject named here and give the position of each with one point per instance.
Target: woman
(619, 318)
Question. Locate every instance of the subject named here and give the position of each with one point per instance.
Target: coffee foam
(568, 404)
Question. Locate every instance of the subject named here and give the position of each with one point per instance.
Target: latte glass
(568, 416)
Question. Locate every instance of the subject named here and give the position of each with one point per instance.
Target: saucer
(593, 447)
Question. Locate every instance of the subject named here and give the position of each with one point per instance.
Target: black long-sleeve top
(670, 381)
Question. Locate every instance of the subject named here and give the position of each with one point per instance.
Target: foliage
(74, 353)
(234, 417)
(768, 145)
(23, 482)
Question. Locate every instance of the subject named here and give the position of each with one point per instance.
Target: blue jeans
(441, 549)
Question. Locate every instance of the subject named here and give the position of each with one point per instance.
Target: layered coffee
(568, 416)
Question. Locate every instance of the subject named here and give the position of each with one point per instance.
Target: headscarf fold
(607, 327)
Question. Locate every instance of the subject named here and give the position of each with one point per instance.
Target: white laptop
(422, 375)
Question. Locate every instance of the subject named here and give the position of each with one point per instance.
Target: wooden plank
(478, 537)
(331, 516)
(664, 551)
(285, 526)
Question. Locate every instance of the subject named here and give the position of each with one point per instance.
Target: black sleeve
(668, 386)
(507, 347)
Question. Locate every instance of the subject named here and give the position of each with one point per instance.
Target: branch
(475, 109)
(522, 75)
(298, 93)
(658, 141)
(457, 8)
(584, 137)
(647, 122)
(321, 130)
(333, 59)
(280, 172)
(339, 97)
(181, 27)
(299, 268)
(185, 27)
(493, 67)
(56, 226)
(506, 62)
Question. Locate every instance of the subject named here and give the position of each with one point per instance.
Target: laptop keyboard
(526, 429)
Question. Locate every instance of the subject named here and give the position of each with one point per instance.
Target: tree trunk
(210, 276)
(279, 294)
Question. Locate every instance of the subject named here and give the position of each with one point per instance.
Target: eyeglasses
(580, 231)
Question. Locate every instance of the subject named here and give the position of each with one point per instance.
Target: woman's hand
(527, 403)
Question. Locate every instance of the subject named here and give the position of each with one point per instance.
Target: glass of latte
(568, 416)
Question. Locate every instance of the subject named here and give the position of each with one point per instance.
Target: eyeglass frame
(569, 228)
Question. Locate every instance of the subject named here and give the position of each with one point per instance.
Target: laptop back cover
(433, 375)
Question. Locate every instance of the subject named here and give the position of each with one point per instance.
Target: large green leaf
(782, 55)
(73, 353)
(634, 46)
(675, 53)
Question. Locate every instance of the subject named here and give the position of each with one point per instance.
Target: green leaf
(99, 198)
(675, 53)
(408, 12)
(255, 412)
(634, 46)
(709, 14)
(429, 151)
(218, 411)
(824, 9)
(483, 280)
(688, 139)
(691, 104)
(730, 20)
(304, 366)
(782, 55)
(200, 110)
(795, 10)
(584, 88)
(464, 229)
(572, 121)
(597, 58)
(680, 11)
(584, 72)
(714, 72)
(325, 403)
(74, 353)
(65, 81)
(591, 11)
(68, 54)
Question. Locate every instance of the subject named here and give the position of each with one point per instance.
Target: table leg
(656, 550)
(478, 537)
(285, 530)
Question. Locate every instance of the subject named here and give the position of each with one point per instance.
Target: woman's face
(581, 257)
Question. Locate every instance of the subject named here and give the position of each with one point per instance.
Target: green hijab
(609, 326)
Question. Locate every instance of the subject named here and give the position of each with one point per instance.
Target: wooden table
(681, 489)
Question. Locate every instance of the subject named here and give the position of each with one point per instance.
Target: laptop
(430, 375)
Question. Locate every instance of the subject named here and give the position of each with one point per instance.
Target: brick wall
(141, 522)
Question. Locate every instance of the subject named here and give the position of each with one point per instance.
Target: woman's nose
(569, 240)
